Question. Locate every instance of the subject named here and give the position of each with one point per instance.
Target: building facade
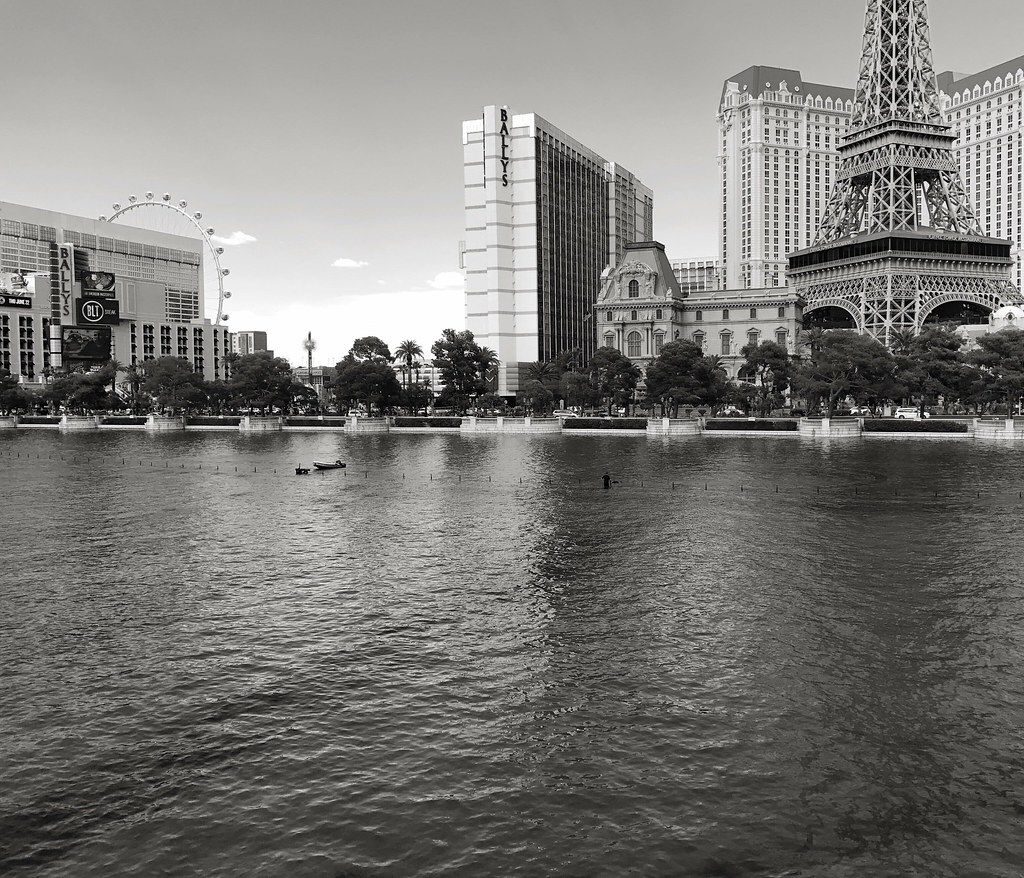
(249, 342)
(154, 303)
(986, 112)
(697, 275)
(777, 158)
(545, 216)
(642, 308)
(779, 155)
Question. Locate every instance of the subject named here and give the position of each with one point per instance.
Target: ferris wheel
(163, 214)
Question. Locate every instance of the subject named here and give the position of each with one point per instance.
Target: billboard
(85, 345)
(99, 284)
(9, 301)
(91, 311)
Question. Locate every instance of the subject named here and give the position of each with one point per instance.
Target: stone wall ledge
(79, 422)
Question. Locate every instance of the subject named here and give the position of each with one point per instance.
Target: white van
(909, 413)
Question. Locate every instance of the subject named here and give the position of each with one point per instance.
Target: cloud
(448, 280)
(344, 262)
(234, 239)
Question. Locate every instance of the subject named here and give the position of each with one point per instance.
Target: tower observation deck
(899, 241)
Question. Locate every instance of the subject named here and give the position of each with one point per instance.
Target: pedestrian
(607, 481)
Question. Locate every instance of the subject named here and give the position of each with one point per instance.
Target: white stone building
(642, 308)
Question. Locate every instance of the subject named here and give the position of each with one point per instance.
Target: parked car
(731, 411)
(909, 413)
(564, 413)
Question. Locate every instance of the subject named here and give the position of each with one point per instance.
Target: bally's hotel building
(545, 217)
(159, 291)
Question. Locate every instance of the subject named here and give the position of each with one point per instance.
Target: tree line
(258, 383)
(832, 369)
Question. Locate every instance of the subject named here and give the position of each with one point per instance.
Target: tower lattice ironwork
(899, 238)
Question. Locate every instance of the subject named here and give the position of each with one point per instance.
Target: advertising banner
(85, 345)
(14, 283)
(91, 311)
(100, 284)
(9, 301)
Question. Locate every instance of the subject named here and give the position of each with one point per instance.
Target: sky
(322, 138)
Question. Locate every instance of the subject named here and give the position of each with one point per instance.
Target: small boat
(301, 471)
(336, 465)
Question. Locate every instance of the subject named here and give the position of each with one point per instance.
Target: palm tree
(408, 352)
(900, 341)
(545, 373)
(811, 338)
(489, 363)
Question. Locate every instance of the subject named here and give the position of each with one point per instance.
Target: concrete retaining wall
(164, 423)
(511, 425)
(672, 427)
(1006, 429)
(8, 422)
(260, 424)
(828, 428)
(79, 422)
(366, 425)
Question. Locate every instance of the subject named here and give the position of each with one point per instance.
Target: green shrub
(904, 425)
(724, 424)
(604, 424)
(314, 422)
(428, 422)
(122, 421)
(211, 421)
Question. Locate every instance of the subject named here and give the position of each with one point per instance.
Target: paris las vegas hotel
(548, 220)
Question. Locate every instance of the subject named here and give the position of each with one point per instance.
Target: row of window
(634, 341)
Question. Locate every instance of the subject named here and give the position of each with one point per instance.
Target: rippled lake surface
(463, 657)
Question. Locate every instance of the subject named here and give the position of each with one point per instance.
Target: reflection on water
(462, 656)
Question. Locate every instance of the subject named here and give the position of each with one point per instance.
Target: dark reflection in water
(463, 657)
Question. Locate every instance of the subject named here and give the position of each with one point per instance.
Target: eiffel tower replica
(899, 238)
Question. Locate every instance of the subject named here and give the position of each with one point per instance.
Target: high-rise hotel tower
(779, 154)
(545, 216)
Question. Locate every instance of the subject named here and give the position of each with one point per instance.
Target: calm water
(221, 673)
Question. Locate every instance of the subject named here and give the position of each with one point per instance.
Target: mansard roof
(758, 79)
(950, 82)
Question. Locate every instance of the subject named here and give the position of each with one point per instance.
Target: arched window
(726, 344)
(659, 342)
(634, 289)
(725, 313)
(632, 315)
(698, 339)
(699, 316)
(633, 344)
(657, 314)
(608, 316)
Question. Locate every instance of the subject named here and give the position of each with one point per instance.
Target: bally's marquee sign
(505, 136)
(66, 279)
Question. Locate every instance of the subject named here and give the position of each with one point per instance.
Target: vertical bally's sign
(66, 281)
(506, 137)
